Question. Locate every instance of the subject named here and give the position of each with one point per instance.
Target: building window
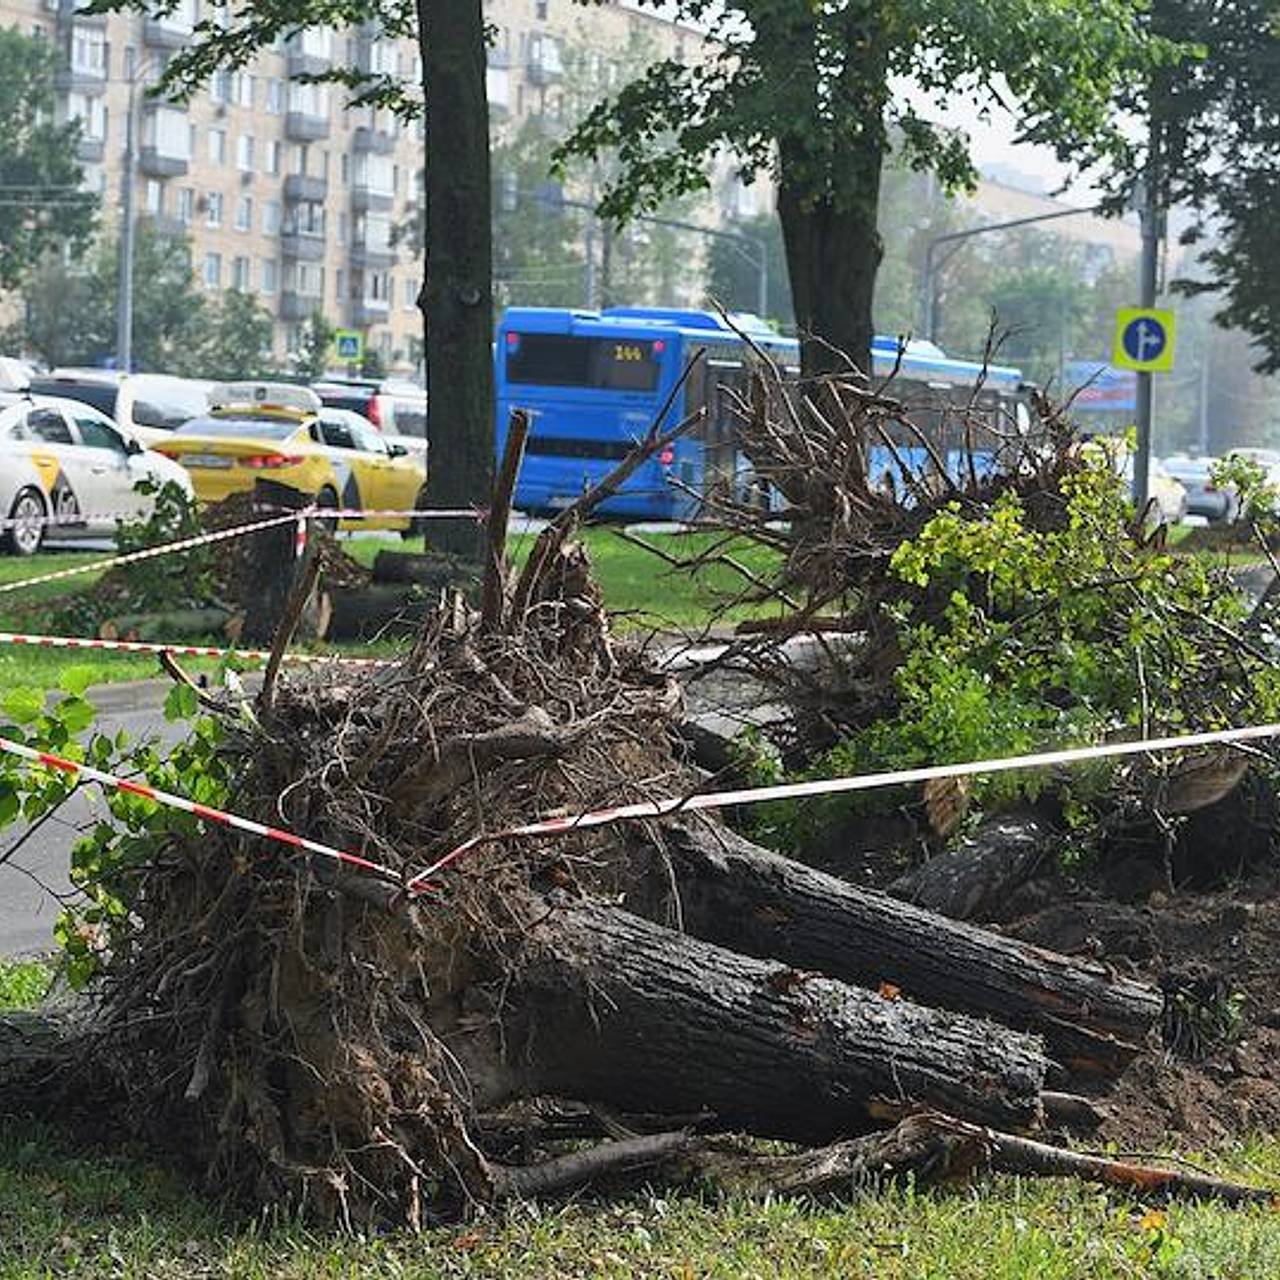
(340, 285)
(244, 213)
(244, 90)
(343, 228)
(92, 114)
(89, 53)
(213, 213)
(309, 99)
(344, 169)
(240, 274)
(245, 153)
(271, 218)
(213, 270)
(186, 205)
(154, 198)
(217, 146)
(220, 86)
(540, 10)
(275, 97)
(272, 162)
(268, 275)
(410, 302)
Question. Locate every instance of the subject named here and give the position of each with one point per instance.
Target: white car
(148, 406)
(67, 471)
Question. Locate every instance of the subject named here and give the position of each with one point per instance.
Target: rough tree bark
(616, 1008)
(740, 896)
(457, 296)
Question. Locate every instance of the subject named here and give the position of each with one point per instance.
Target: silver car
(67, 471)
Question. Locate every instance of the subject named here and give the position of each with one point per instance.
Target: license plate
(212, 461)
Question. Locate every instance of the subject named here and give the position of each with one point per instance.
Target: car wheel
(327, 500)
(416, 528)
(26, 530)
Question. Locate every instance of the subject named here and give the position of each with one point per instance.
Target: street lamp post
(128, 228)
(951, 237)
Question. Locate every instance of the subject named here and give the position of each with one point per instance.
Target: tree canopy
(812, 92)
(42, 204)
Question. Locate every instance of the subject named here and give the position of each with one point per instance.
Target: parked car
(278, 431)
(1169, 496)
(394, 407)
(1204, 497)
(147, 405)
(66, 460)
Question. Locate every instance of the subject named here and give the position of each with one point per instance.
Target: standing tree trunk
(829, 192)
(457, 295)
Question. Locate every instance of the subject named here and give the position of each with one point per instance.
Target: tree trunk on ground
(457, 296)
(367, 613)
(616, 1008)
(740, 896)
(974, 880)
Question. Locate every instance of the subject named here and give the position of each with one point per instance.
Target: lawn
(638, 586)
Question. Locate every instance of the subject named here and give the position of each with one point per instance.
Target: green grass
(69, 1209)
(638, 586)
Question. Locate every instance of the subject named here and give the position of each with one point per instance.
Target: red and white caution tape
(167, 798)
(429, 513)
(71, 519)
(149, 553)
(838, 786)
(178, 650)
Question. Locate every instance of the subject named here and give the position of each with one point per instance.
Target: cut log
(366, 613)
(746, 898)
(613, 1007)
(973, 880)
(177, 624)
(435, 572)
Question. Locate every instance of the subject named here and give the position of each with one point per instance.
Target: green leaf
(10, 805)
(181, 704)
(22, 704)
(76, 714)
(75, 679)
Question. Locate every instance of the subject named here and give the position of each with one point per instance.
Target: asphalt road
(27, 911)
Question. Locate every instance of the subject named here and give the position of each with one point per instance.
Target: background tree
(70, 308)
(811, 92)
(734, 279)
(315, 344)
(236, 337)
(42, 205)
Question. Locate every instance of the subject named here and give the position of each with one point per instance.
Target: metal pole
(930, 299)
(762, 285)
(1150, 214)
(1203, 432)
(124, 290)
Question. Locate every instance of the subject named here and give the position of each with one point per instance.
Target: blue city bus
(595, 381)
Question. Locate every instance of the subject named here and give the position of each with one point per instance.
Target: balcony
(544, 64)
(303, 62)
(377, 142)
(91, 150)
(302, 246)
(73, 11)
(90, 83)
(161, 34)
(167, 225)
(300, 187)
(367, 311)
(372, 255)
(301, 126)
(299, 306)
(365, 199)
(156, 163)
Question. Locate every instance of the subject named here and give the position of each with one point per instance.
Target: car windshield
(258, 428)
(353, 401)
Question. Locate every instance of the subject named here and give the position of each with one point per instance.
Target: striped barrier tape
(178, 650)
(168, 799)
(837, 786)
(78, 520)
(149, 553)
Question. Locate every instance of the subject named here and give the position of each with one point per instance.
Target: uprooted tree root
(310, 1034)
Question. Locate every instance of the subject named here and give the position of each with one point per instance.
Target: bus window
(556, 360)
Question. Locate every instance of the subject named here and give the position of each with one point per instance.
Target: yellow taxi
(280, 432)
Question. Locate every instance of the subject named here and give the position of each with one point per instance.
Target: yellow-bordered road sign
(348, 345)
(1144, 339)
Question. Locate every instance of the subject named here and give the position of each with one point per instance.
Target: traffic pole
(1150, 214)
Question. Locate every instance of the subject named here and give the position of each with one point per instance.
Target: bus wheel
(26, 524)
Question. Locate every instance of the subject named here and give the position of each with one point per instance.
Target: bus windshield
(559, 360)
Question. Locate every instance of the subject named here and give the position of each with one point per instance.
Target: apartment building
(283, 191)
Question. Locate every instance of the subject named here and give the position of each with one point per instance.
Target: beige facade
(283, 191)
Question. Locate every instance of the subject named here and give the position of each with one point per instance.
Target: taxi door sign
(348, 345)
(1144, 339)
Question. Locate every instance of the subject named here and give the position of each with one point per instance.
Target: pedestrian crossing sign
(1144, 339)
(348, 344)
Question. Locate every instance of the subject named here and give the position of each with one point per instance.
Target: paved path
(27, 912)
